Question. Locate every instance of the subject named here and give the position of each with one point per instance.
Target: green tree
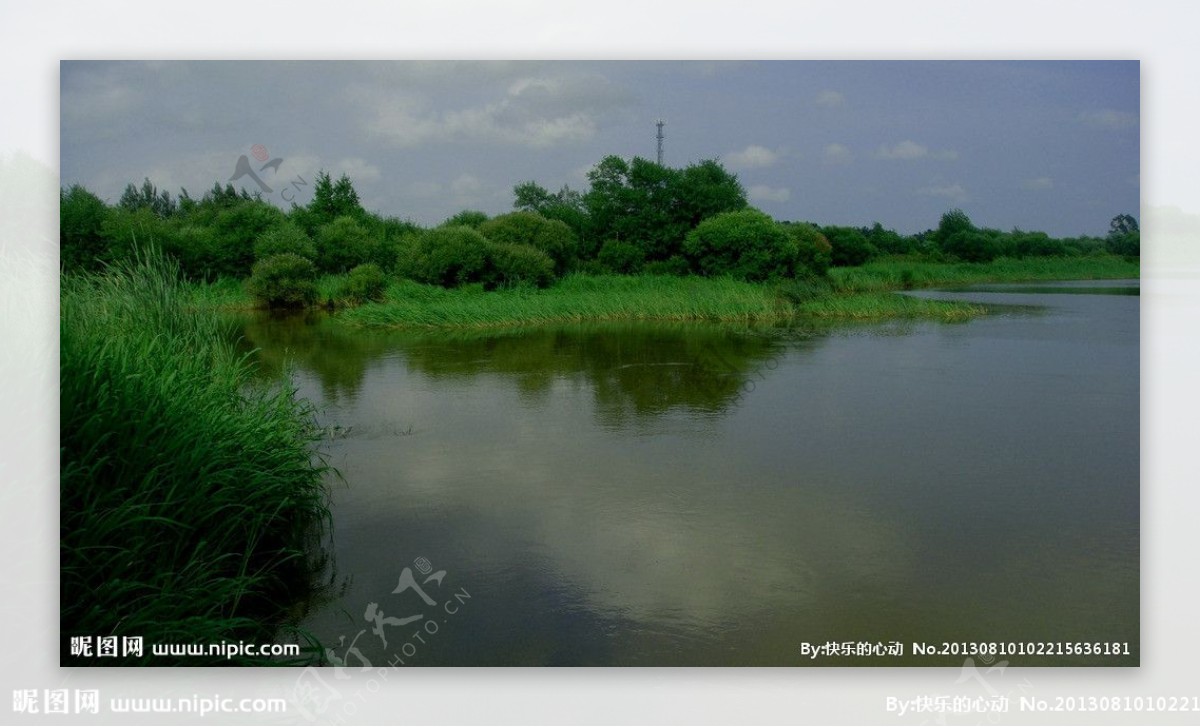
(747, 245)
(552, 237)
(849, 245)
(283, 281)
(80, 231)
(148, 197)
(332, 200)
(343, 244)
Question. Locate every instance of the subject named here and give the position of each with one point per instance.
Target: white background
(1161, 34)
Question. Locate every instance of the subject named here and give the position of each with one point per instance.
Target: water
(702, 495)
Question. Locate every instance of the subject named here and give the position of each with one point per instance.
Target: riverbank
(854, 293)
(192, 506)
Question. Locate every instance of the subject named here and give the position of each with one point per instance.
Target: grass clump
(192, 505)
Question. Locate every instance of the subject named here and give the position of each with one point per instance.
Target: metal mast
(660, 141)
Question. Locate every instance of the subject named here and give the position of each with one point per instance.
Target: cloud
(909, 150)
(1038, 183)
(904, 150)
(1109, 119)
(763, 193)
(359, 170)
(837, 154)
(751, 157)
(955, 192)
(466, 184)
(830, 99)
(532, 112)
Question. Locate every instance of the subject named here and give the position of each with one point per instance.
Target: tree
(849, 245)
(747, 245)
(1123, 225)
(147, 197)
(80, 230)
(653, 206)
(332, 200)
(552, 237)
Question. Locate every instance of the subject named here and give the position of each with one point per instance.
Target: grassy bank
(901, 273)
(191, 502)
(851, 293)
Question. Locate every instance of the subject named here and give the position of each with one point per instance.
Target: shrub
(287, 237)
(446, 256)
(814, 254)
(621, 257)
(81, 219)
(196, 249)
(849, 246)
(971, 246)
(466, 218)
(518, 265)
(529, 228)
(1129, 243)
(364, 283)
(344, 244)
(747, 245)
(676, 265)
(283, 281)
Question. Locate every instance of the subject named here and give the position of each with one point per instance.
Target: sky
(1051, 146)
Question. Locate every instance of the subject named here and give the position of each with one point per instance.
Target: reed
(193, 504)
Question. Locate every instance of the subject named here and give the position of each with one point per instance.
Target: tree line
(637, 217)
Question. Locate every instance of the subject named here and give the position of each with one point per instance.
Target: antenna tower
(660, 141)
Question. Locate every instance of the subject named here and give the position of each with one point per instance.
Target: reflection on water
(690, 494)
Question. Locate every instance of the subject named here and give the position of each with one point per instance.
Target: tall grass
(902, 273)
(192, 503)
(575, 298)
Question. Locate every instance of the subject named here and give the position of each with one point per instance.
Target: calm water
(669, 494)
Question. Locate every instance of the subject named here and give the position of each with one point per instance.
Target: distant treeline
(637, 217)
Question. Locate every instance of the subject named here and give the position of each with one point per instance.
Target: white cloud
(837, 154)
(830, 99)
(359, 170)
(1038, 183)
(533, 112)
(752, 157)
(909, 149)
(466, 184)
(955, 192)
(763, 193)
(1109, 119)
(904, 150)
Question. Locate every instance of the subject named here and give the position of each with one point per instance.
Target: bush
(621, 257)
(747, 245)
(466, 218)
(196, 249)
(446, 256)
(344, 244)
(971, 246)
(364, 283)
(287, 237)
(814, 254)
(849, 246)
(529, 228)
(81, 220)
(283, 281)
(1129, 243)
(518, 265)
(676, 265)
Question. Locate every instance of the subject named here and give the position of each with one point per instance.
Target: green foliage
(552, 237)
(283, 281)
(191, 506)
(566, 206)
(849, 245)
(889, 242)
(147, 197)
(80, 232)
(514, 264)
(343, 244)
(814, 253)
(620, 257)
(1123, 225)
(747, 245)
(286, 237)
(364, 283)
(1129, 243)
(676, 265)
(653, 206)
(332, 200)
(446, 256)
(466, 218)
